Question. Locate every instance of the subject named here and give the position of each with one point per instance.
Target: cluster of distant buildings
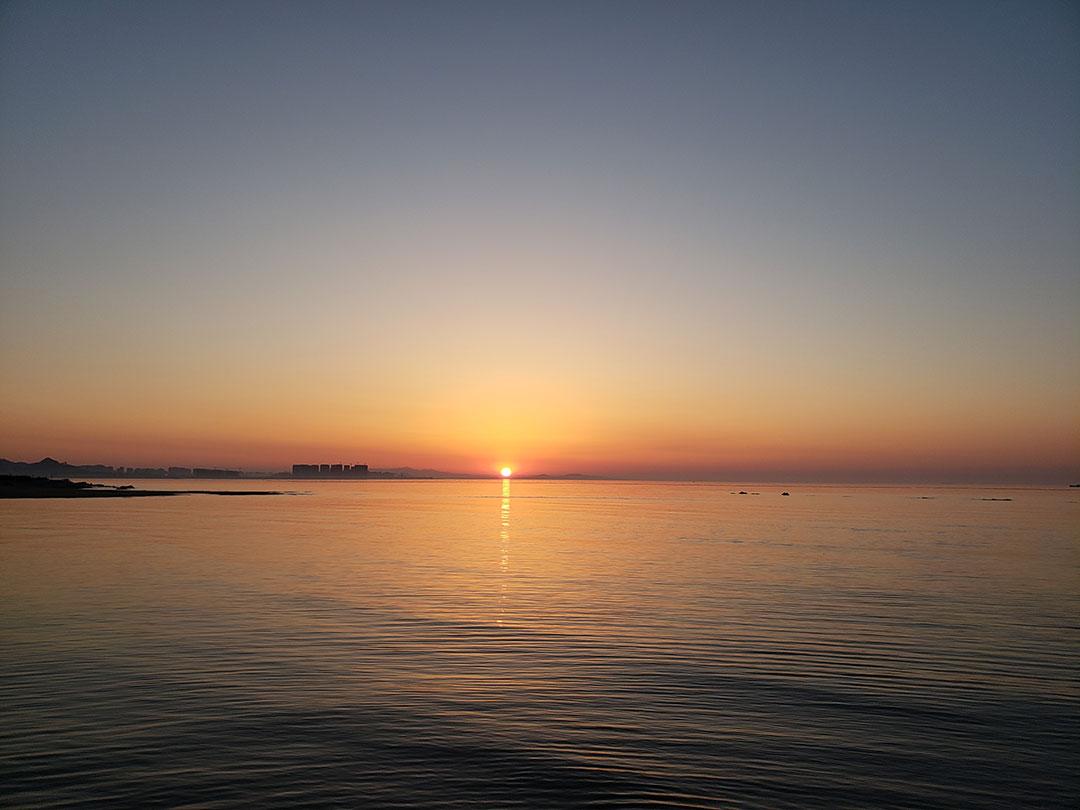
(201, 472)
(331, 471)
(159, 472)
(51, 468)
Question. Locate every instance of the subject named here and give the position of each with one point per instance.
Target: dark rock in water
(785, 493)
(742, 491)
(995, 499)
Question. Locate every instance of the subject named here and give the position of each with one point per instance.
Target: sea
(486, 643)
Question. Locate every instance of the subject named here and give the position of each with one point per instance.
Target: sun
(505, 472)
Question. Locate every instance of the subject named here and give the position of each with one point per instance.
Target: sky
(771, 241)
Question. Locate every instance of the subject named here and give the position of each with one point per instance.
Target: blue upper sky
(886, 193)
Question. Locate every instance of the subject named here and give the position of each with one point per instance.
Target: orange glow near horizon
(732, 417)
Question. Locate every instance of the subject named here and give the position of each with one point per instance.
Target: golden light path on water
(504, 546)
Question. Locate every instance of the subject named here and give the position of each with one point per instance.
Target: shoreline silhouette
(28, 486)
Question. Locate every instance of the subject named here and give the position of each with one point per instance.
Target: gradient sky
(796, 240)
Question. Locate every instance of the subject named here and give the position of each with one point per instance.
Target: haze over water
(448, 644)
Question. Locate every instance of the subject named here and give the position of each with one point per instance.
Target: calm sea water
(553, 644)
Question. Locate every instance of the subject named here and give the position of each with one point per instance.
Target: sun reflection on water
(504, 546)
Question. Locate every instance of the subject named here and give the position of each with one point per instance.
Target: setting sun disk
(505, 472)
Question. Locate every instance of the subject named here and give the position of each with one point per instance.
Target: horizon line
(868, 478)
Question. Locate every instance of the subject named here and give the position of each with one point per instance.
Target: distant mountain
(564, 477)
(50, 467)
(412, 472)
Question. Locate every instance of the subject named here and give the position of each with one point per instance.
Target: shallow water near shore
(552, 644)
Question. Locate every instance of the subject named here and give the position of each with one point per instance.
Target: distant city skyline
(833, 241)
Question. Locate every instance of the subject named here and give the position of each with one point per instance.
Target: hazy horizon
(820, 241)
(866, 477)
